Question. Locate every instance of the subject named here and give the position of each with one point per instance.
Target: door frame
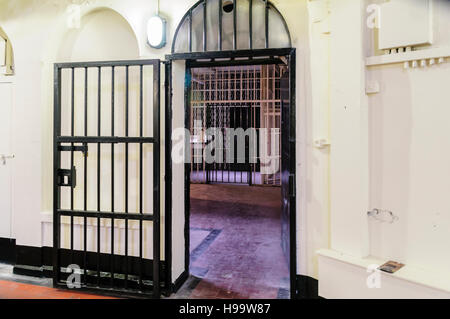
(249, 57)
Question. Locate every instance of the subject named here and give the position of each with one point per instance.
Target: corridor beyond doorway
(236, 243)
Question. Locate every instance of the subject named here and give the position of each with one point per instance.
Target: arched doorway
(103, 35)
(213, 37)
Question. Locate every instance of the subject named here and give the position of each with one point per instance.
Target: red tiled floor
(14, 290)
(246, 259)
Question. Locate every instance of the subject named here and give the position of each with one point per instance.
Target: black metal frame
(233, 58)
(91, 278)
(188, 15)
(292, 174)
(168, 175)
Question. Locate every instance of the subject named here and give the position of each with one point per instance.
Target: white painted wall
(178, 171)
(409, 139)
(6, 103)
(348, 105)
(388, 151)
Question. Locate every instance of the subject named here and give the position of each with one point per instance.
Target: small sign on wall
(405, 23)
(391, 267)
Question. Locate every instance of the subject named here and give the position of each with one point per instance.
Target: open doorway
(239, 237)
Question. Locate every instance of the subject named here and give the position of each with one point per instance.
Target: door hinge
(292, 185)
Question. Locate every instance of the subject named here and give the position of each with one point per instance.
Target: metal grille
(107, 176)
(246, 25)
(241, 97)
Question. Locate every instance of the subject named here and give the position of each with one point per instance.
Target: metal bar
(85, 172)
(100, 64)
(230, 109)
(266, 24)
(273, 126)
(105, 139)
(205, 36)
(229, 54)
(235, 102)
(75, 148)
(190, 31)
(208, 125)
(105, 215)
(234, 144)
(168, 175)
(141, 133)
(99, 122)
(112, 174)
(235, 26)
(220, 25)
(250, 21)
(240, 125)
(292, 168)
(187, 176)
(156, 180)
(56, 166)
(72, 132)
(127, 87)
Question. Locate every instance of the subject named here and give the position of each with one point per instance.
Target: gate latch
(67, 177)
(76, 148)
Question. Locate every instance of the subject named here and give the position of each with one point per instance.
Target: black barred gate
(106, 228)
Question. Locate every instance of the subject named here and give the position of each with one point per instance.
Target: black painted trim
(180, 281)
(293, 172)
(290, 53)
(230, 54)
(7, 250)
(37, 262)
(187, 169)
(168, 171)
(307, 288)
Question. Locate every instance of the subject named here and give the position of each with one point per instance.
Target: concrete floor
(235, 250)
(236, 244)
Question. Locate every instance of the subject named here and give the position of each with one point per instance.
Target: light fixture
(228, 6)
(156, 32)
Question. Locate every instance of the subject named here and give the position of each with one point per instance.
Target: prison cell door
(106, 228)
(288, 235)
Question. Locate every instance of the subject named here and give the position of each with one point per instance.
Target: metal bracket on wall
(292, 187)
(321, 143)
(384, 216)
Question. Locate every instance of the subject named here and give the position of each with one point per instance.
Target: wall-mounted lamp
(156, 32)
